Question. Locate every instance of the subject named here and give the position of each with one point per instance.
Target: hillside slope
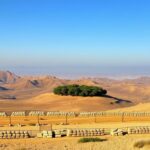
(51, 102)
(142, 107)
(8, 77)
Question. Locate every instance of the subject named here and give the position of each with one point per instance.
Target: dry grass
(141, 143)
(87, 140)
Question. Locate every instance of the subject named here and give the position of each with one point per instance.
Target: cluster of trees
(80, 90)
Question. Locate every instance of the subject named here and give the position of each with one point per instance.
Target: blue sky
(75, 37)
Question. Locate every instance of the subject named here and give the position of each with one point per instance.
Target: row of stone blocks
(81, 114)
(14, 134)
(21, 113)
(60, 133)
(50, 134)
(45, 134)
(136, 114)
(139, 130)
(130, 130)
(39, 113)
(86, 132)
(117, 132)
(94, 132)
(73, 114)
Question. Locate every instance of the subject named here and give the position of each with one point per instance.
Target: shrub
(79, 90)
(85, 140)
(141, 144)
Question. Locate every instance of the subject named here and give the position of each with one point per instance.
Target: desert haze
(36, 93)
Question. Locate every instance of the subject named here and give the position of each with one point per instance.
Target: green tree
(80, 90)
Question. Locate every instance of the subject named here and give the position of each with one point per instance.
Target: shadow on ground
(118, 100)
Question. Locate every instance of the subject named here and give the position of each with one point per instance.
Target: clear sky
(75, 37)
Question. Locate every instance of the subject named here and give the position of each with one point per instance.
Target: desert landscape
(135, 141)
(36, 93)
(28, 104)
(115, 143)
(74, 75)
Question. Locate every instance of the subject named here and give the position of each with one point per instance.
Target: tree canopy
(79, 90)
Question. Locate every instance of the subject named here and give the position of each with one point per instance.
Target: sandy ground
(143, 107)
(93, 125)
(103, 125)
(71, 143)
(51, 102)
(112, 143)
(33, 120)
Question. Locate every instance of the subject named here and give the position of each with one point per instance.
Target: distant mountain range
(18, 88)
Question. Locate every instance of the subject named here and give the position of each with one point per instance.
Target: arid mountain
(3, 88)
(8, 77)
(26, 88)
